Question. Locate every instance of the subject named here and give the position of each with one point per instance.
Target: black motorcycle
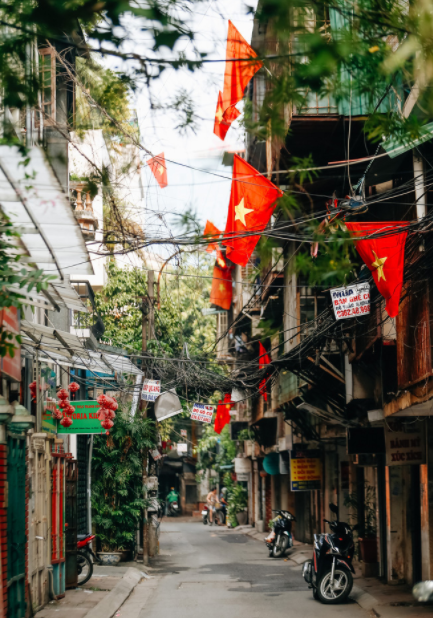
(329, 574)
(280, 539)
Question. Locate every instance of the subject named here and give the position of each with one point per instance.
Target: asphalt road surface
(211, 572)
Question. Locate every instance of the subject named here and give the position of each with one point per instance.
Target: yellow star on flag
(241, 211)
(378, 265)
(219, 114)
(221, 287)
(160, 169)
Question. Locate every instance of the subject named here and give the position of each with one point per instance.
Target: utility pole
(147, 329)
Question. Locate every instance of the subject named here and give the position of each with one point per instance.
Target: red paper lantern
(63, 394)
(111, 414)
(57, 414)
(102, 414)
(63, 404)
(74, 387)
(112, 404)
(66, 421)
(107, 423)
(103, 400)
(69, 410)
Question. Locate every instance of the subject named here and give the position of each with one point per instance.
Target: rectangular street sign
(305, 470)
(151, 390)
(202, 412)
(85, 419)
(352, 301)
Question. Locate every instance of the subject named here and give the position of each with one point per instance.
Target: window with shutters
(47, 76)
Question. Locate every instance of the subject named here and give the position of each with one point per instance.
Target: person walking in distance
(211, 502)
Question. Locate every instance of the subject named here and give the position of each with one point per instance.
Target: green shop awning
(395, 147)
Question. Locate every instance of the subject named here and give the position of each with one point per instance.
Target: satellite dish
(167, 405)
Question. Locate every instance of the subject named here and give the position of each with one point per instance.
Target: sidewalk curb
(121, 591)
(364, 599)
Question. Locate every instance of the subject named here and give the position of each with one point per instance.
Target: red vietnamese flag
(223, 413)
(211, 232)
(224, 118)
(263, 361)
(252, 202)
(222, 290)
(159, 169)
(384, 256)
(239, 70)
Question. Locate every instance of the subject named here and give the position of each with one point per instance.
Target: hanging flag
(252, 202)
(223, 413)
(222, 290)
(159, 169)
(239, 70)
(264, 360)
(211, 232)
(224, 118)
(384, 257)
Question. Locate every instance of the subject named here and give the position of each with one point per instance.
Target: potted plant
(246, 436)
(117, 487)
(367, 534)
(237, 506)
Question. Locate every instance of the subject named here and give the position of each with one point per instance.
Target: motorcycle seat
(81, 537)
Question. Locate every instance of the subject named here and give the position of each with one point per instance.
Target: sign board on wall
(305, 470)
(85, 419)
(352, 301)
(202, 412)
(404, 447)
(151, 390)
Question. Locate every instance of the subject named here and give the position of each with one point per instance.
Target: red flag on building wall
(384, 257)
(223, 413)
(211, 232)
(224, 118)
(252, 202)
(159, 169)
(222, 290)
(264, 360)
(239, 70)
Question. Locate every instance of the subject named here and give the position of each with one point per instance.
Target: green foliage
(215, 450)
(117, 480)
(246, 434)
(20, 276)
(237, 503)
(368, 504)
(178, 320)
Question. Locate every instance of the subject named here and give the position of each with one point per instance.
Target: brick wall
(3, 531)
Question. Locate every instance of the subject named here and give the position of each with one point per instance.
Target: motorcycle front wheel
(205, 520)
(338, 593)
(280, 546)
(85, 568)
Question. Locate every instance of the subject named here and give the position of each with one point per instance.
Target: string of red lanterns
(107, 411)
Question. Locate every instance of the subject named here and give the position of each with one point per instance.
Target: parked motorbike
(280, 539)
(219, 516)
(85, 558)
(329, 574)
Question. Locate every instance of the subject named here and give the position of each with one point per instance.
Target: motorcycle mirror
(333, 508)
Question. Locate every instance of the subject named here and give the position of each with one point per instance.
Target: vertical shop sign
(305, 470)
(404, 447)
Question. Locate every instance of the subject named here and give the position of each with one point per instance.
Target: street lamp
(21, 420)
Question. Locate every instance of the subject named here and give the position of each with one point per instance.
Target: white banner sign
(352, 301)
(151, 390)
(202, 412)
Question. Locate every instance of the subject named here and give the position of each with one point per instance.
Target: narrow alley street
(218, 573)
